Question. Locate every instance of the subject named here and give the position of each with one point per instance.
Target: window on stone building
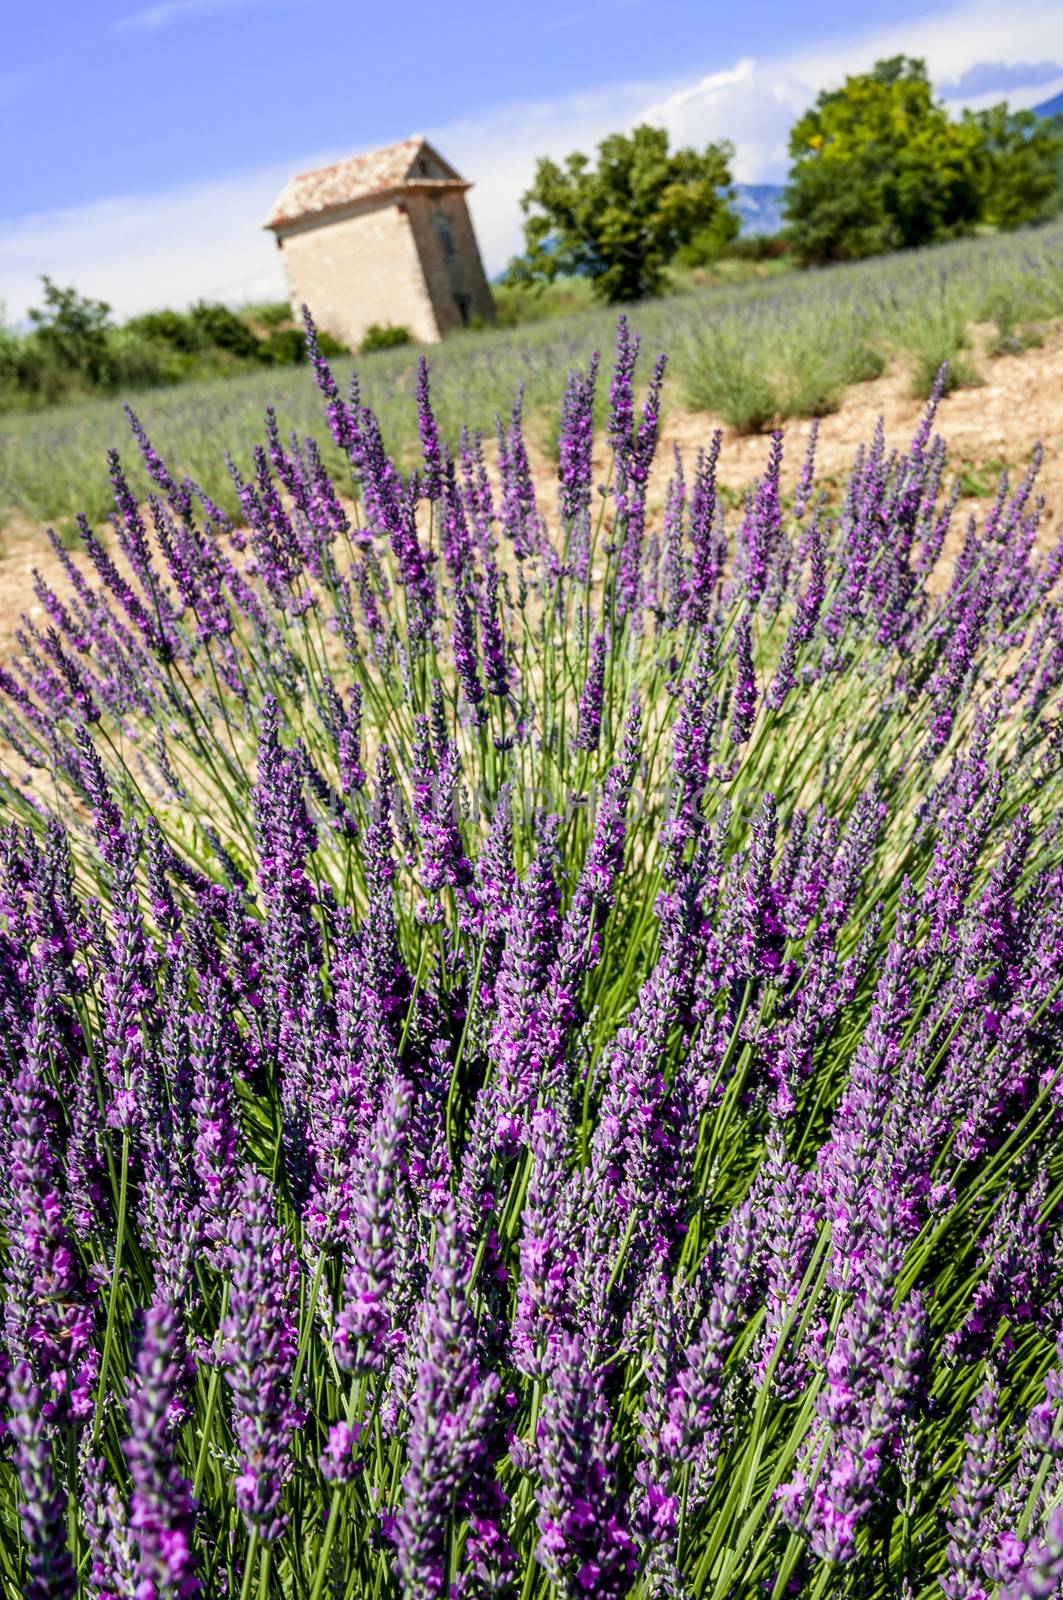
(464, 308)
(445, 238)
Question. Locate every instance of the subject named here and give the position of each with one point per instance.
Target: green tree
(878, 165)
(621, 222)
(72, 333)
(1017, 164)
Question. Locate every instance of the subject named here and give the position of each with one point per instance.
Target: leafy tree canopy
(73, 329)
(621, 222)
(1017, 165)
(879, 165)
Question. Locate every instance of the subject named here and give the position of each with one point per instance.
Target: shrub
(934, 335)
(223, 329)
(726, 372)
(760, 247)
(384, 337)
(859, 361)
(545, 1077)
(285, 347)
(181, 330)
(272, 314)
(1008, 304)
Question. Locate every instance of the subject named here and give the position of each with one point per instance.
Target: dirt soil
(1019, 404)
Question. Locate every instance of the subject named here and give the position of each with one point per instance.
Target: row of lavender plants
(748, 352)
(532, 1030)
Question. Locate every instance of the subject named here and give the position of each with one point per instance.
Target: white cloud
(753, 105)
(160, 15)
(205, 239)
(140, 252)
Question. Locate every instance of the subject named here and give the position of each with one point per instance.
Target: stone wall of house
(450, 255)
(358, 269)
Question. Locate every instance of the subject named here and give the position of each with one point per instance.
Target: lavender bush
(532, 1041)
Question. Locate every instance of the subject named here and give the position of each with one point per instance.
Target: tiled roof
(309, 194)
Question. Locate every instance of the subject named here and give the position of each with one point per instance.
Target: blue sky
(152, 134)
(164, 91)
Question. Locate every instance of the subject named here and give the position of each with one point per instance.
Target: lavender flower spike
(258, 1353)
(589, 723)
(450, 1412)
(42, 1506)
(162, 1510)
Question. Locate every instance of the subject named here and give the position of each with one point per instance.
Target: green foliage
(223, 329)
(724, 373)
(620, 223)
(1017, 156)
(285, 347)
(520, 303)
(935, 335)
(1007, 304)
(861, 361)
(712, 241)
(978, 479)
(878, 165)
(74, 348)
(759, 247)
(270, 315)
(379, 336)
(174, 328)
(72, 331)
(50, 459)
(1056, 125)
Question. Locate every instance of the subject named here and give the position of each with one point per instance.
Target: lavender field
(533, 1028)
(751, 354)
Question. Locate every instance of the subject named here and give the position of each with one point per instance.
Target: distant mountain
(1050, 108)
(760, 207)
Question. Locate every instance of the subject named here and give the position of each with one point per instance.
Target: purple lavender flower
(161, 1508)
(584, 1543)
(576, 441)
(1041, 1572)
(744, 698)
(708, 550)
(589, 714)
(871, 1370)
(803, 491)
(966, 1524)
(531, 935)
(520, 517)
(454, 540)
(605, 854)
(106, 1524)
(803, 626)
(436, 775)
(340, 415)
(364, 1321)
(621, 392)
(465, 661)
(42, 1504)
(492, 636)
(214, 1106)
(431, 450)
(259, 1353)
(546, 1258)
(48, 1316)
(451, 1410)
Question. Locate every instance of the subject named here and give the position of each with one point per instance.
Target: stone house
(382, 238)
